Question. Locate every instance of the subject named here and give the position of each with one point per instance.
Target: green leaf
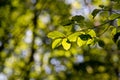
(101, 6)
(78, 18)
(90, 41)
(80, 42)
(118, 22)
(55, 34)
(66, 45)
(101, 43)
(118, 44)
(56, 43)
(67, 22)
(114, 30)
(68, 41)
(92, 33)
(85, 37)
(114, 16)
(95, 12)
(1, 32)
(116, 36)
(73, 37)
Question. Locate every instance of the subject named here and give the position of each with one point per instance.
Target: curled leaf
(92, 33)
(80, 42)
(56, 43)
(66, 45)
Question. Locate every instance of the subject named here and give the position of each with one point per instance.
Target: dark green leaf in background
(116, 36)
(118, 44)
(101, 43)
(95, 12)
(85, 37)
(101, 6)
(67, 22)
(78, 18)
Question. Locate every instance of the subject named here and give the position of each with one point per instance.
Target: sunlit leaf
(90, 41)
(95, 12)
(80, 42)
(118, 22)
(114, 16)
(66, 45)
(73, 37)
(55, 34)
(56, 43)
(114, 30)
(92, 33)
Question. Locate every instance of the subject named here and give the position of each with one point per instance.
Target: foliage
(43, 40)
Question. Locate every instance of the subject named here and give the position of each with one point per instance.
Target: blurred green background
(25, 49)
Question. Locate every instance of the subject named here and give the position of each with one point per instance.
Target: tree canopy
(59, 40)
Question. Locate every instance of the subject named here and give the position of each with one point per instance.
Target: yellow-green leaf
(92, 33)
(114, 30)
(90, 41)
(1, 32)
(118, 22)
(56, 43)
(73, 37)
(114, 16)
(65, 44)
(80, 42)
(55, 34)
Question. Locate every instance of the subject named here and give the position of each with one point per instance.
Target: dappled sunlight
(28, 38)
(59, 40)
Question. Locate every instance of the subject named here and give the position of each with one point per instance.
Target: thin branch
(111, 11)
(104, 30)
(103, 24)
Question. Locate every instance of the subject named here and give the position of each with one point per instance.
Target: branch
(31, 58)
